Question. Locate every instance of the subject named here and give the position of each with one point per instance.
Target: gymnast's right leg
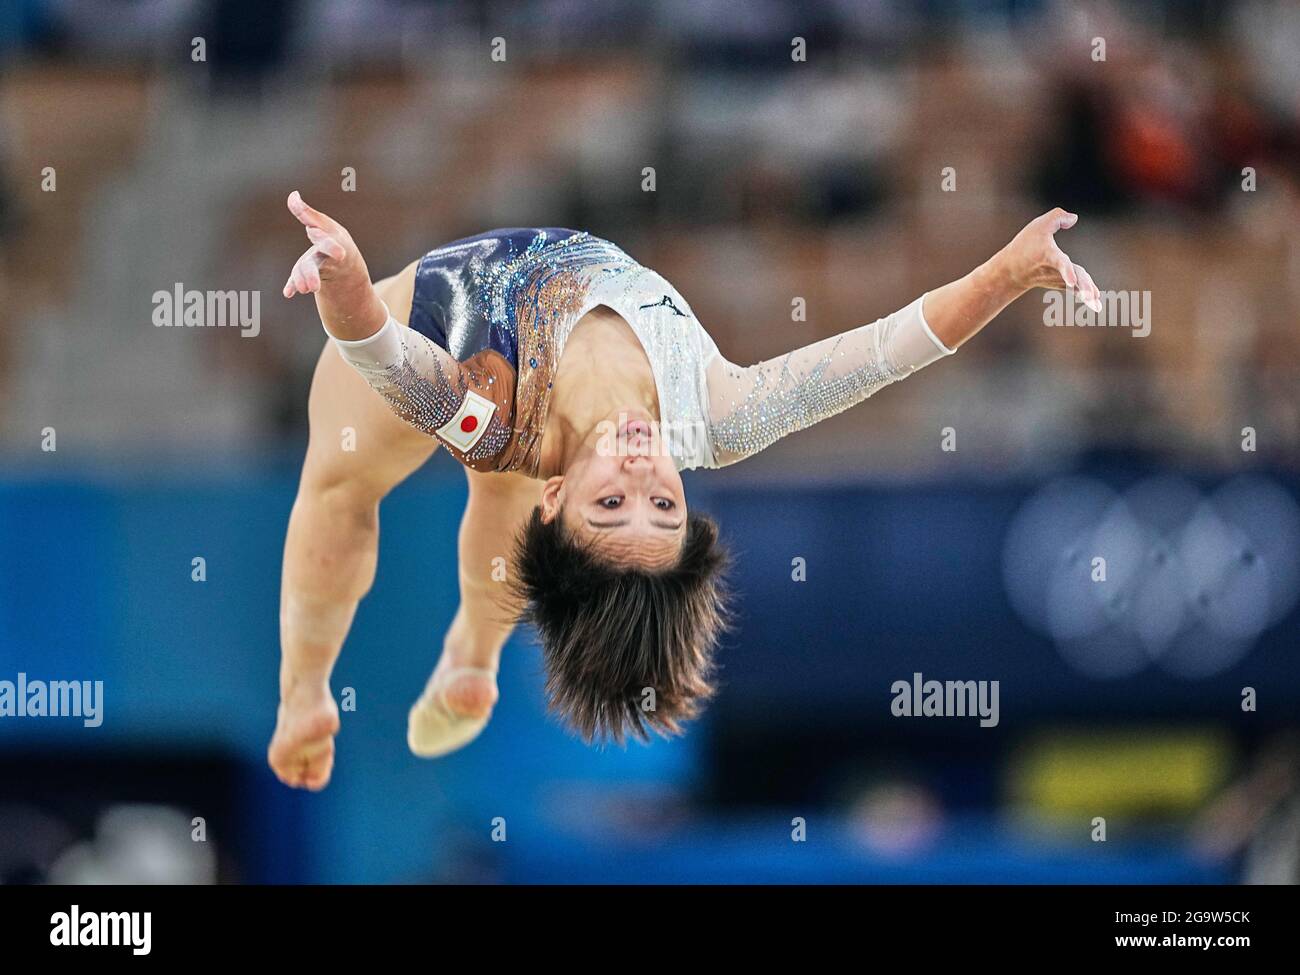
(358, 451)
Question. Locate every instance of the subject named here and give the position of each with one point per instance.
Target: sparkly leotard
(491, 315)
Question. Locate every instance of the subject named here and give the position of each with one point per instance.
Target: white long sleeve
(750, 408)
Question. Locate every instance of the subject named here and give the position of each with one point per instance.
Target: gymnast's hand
(333, 270)
(302, 749)
(1034, 260)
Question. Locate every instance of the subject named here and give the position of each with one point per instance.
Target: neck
(604, 373)
(575, 424)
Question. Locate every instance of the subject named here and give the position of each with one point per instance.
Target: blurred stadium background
(776, 179)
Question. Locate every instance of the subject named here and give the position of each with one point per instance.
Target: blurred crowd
(849, 154)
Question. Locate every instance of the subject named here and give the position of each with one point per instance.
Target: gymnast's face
(624, 496)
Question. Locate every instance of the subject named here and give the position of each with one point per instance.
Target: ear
(551, 500)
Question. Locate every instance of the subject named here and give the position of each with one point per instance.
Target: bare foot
(301, 752)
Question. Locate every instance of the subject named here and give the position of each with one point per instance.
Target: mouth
(637, 434)
(631, 425)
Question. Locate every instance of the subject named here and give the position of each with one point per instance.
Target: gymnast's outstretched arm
(752, 407)
(422, 383)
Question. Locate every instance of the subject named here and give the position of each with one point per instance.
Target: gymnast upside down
(573, 384)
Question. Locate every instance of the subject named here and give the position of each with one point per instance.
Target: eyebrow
(671, 526)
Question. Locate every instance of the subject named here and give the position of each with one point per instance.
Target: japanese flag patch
(467, 427)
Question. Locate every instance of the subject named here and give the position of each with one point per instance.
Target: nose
(638, 469)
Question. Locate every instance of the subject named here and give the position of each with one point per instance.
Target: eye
(613, 501)
(665, 504)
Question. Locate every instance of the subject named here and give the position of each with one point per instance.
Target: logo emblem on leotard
(666, 302)
(467, 427)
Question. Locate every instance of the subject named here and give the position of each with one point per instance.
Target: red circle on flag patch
(469, 424)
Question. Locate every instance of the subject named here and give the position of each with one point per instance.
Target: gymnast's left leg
(458, 700)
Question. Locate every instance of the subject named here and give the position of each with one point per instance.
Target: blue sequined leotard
(518, 292)
(467, 292)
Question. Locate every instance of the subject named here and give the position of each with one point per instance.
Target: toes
(316, 773)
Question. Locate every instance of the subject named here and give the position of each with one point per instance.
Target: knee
(339, 485)
(347, 504)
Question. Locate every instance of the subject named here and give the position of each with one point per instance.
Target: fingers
(1074, 276)
(326, 244)
(1086, 289)
(1063, 265)
(324, 234)
(291, 287)
(308, 216)
(305, 276)
(1079, 281)
(1060, 219)
(309, 274)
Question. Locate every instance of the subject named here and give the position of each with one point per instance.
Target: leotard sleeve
(468, 406)
(752, 407)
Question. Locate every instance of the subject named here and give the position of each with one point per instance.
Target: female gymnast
(573, 384)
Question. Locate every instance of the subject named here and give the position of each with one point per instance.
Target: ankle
(463, 649)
